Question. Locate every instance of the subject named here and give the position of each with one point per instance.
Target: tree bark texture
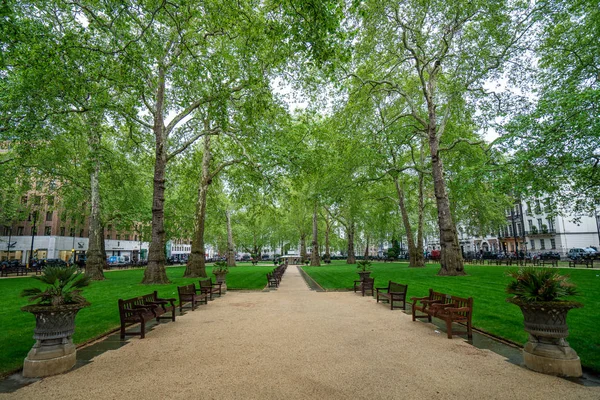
(366, 256)
(230, 245)
(303, 246)
(155, 271)
(96, 257)
(327, 255)
(415, 259)
(315, 259)
(196, 266)
(351, 257)
(451, 257)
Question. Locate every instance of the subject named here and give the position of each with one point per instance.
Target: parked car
(551, 255)
(591, 252)
(53, 262)
(577, 253)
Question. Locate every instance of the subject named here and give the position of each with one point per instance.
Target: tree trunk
(196, 266)
(96, 258)
(303, 246)
(155, 271)
(327, 255)
(230, 245)
(351, 257)
(366, 256)
(451, 258)
(420, 257)
(415, 259)
(315, 260)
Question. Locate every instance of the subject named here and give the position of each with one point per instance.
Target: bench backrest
(397, 287)
(149, 297)
(458, 301)
(368, 282)
(187, 289)
(125, 306)
(206, 283)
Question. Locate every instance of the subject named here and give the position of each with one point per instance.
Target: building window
(510, 231)
(530, 225)
(48, 231)
(518, 229)
(532, 244)
(135, 238)
(50, 201)
(72, 233)
(49, 216)
(108, 236)
(20, 231)
(539, 220)
(553, 244)
(110, 227)
(81, 233)
(542, 244)
(37, 200)
(62, 231)
(538, 207)
(126, 237)
(6, 230)
(551, 225)
(118, 237)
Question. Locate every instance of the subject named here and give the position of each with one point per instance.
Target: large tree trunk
(95, 254)
(351, 257)
(303, 246)
(315, 260)
(366, 256)
(155, 271)
(415, 255)
(420, 256)
(451, 258)
(230, 245)
(196, 266)
(327, 255)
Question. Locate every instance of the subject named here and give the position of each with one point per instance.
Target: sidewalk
(294, 343)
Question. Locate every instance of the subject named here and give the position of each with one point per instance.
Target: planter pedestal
(220, 278)
(547, 351)
(53, 352)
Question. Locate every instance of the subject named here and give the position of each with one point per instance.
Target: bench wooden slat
(394, 292)
(142, 309)
(445, 307)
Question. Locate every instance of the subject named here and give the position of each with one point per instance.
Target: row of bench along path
(293, 343)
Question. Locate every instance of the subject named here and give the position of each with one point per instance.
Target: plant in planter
(220, 270)
(534, 230)
(364, 268)
(544, 228)
(55, 309)
(542, 293)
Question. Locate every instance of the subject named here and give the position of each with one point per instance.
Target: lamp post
(33, 232)
(73, 248)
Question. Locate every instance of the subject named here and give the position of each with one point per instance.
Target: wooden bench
(189, 294)
(207, 287)
(393, 292)
(364, 286)
(589, 263)
(143, 309)
(445, 307)
(272, 281)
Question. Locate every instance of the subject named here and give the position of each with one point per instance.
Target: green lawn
(16, 326)
(486, 285)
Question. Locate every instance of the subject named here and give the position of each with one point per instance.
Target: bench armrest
(419, 298)
(399, 293)
(430, 302)
(157, 302)
(381, 288)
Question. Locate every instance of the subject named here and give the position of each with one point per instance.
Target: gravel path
(294, 343)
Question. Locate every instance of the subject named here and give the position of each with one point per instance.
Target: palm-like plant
(220, 267)
(64, 287)
(363, 265)
(532, 285)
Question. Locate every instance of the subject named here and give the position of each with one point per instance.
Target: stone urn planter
(220, 277)
(547, 351)
(53, 352)
(543, 296)
(57, 305)
(364, 274)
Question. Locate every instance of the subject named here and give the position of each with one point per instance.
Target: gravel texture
(293, 343)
